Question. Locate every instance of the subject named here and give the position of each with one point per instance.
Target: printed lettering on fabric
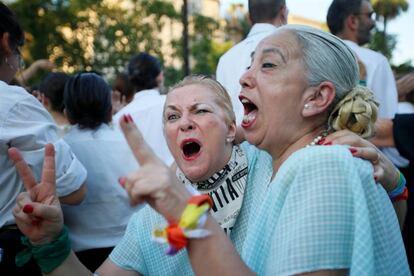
(226, 189)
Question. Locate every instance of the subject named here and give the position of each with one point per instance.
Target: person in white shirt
(146, 108)
(25, 124)
(98, 224)
(266, 16)
(353, 21)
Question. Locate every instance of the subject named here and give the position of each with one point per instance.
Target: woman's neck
(59, 118)
(297, 144)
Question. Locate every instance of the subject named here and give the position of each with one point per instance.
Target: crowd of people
(288, 162)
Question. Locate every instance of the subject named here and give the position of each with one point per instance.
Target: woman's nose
(186, 124)
(246, 80)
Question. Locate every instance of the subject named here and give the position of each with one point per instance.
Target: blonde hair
(354, 107)
(222, 97)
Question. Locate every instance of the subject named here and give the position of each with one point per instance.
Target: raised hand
(37, 211)
(153, 182)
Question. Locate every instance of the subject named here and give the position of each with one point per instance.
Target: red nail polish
(28, 209)
(353, 150)
(130, 118)
(35, 222)
(327, 143)
(375, 178)
(321, 141)
(122, 181)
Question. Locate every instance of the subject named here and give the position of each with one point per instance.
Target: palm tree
(389, 9)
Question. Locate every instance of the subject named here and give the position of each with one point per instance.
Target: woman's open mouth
(191, 149)
(250, 112)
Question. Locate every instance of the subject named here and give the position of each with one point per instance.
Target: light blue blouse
(322, 211)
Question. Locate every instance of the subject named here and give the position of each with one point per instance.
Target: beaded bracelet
(48, 256)
(400, 186)
(190, 225)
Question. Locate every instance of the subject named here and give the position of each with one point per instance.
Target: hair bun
(356, 112)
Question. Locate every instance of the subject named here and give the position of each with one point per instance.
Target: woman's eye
(172, 117)
(202, 111)
(268, 65)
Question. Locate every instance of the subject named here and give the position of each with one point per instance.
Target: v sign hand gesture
(37, 212)
(154, 182)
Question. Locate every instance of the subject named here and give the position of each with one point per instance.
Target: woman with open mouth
(314, 207)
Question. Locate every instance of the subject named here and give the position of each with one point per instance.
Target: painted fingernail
(353, 150)
(376, 178)
(130, 118)
(122, 181)
(35, 222)
(328, 143)
(125, 118)
(28, 209)
(321, 141)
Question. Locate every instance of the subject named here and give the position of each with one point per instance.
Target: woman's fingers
(370, 154)
(22, 168)
(141, 150)
(49, 173)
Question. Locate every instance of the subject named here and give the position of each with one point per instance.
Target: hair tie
(356, 112)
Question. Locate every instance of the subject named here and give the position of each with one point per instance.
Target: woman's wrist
(400, 191)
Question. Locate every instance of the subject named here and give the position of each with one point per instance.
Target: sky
(317, 9)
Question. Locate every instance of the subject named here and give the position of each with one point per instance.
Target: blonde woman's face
(196, 131)
(272, 92)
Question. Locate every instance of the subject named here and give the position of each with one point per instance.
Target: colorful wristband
(48, 256)
(190, 225)
(400, 186)
(402, 196)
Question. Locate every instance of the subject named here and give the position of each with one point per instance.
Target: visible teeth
(245, 101)
(248, 117)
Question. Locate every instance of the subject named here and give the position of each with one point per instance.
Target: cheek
(171, 136)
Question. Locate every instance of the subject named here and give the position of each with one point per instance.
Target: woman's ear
(231, 134)
(5, 44)
(318, 99)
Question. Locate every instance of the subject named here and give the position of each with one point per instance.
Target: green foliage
(91, 34)
(389, 8)
(384, 43)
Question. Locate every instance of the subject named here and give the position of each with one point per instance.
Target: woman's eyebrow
(275, 51)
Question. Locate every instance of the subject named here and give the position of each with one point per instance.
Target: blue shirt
(322, 211)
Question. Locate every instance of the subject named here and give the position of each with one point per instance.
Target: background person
(99, 222)
(146, 77)
(27, 126)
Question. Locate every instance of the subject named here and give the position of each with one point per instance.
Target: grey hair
(327, 58)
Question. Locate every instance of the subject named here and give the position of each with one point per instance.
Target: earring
(229, 140)
(307, 106)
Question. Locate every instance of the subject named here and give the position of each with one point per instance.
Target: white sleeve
(385, 88)
(29, 128)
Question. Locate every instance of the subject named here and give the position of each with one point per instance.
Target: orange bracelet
(189, 226)
(402, 196)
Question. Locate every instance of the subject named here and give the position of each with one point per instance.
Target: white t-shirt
(26, 125)
(380, 79)
(147, 111)
(100, 220)
(235, 61)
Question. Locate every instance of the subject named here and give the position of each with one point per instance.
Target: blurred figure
(25, 124)
(41, 64)
(146, 108)
(266, 16)
(51, 96)
(405, 88)
(96, 225)
(122, 92)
